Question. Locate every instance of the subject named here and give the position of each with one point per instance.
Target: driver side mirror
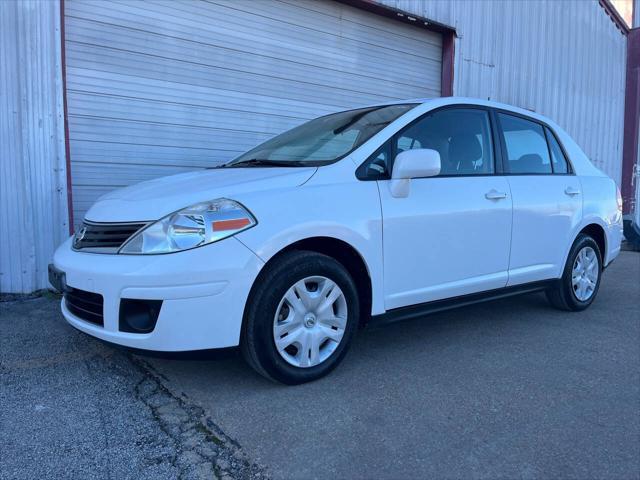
(416, 163)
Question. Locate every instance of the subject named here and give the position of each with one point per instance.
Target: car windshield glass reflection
(323, 140)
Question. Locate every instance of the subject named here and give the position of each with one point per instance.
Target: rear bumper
(203, 293)
(614, 242)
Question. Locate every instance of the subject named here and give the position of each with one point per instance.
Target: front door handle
(495, 195)
(571, 191)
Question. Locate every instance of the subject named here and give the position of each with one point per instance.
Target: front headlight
(191, 227)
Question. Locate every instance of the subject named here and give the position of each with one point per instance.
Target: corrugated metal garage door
(162, 87)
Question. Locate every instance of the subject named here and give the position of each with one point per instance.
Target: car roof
(441, 101)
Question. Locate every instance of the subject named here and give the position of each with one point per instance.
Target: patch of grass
(208, 434)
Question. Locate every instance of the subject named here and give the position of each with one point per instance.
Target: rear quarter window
(558, 160)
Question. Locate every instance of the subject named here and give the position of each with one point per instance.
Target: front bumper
(203, 290)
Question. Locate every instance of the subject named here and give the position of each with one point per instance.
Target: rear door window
(526, 145)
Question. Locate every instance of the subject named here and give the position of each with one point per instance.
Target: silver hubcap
(584, 275)
(310, 321)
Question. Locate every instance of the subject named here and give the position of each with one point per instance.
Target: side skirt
(422, 309)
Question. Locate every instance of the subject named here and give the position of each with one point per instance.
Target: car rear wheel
(580, 280)
(300, 317)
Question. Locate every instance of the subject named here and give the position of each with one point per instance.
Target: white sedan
(369, 215)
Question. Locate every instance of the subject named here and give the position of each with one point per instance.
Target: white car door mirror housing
(416, 163)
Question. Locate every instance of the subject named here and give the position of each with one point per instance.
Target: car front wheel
(300, 317)
(580, 280)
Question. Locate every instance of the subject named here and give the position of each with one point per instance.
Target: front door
(451, 235)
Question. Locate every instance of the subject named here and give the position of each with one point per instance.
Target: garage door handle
(495, 195)
(571, 191)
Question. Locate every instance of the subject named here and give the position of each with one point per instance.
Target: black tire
(562, 295)
(257, 342)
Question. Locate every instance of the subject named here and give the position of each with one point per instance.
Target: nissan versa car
(369, 215)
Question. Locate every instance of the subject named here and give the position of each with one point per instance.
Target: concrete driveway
(506, 389)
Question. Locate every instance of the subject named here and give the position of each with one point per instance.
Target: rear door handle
(495, 195)
(571, 191)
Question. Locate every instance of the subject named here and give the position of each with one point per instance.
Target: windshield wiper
(353, 121)
(261, 162)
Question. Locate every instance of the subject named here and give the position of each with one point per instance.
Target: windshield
(323, 140)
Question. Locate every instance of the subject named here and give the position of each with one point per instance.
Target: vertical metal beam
(67, 149)
(448, 56)
(631, 121)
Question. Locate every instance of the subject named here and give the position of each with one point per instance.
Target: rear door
(450, 236)
(547, 198)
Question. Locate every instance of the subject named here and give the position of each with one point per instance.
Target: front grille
(109, 236)
(85, 305)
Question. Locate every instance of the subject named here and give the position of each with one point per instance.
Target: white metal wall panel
(33, 190)
(159, 87)
(564, 59)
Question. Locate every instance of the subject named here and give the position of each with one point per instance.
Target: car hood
(157, 198)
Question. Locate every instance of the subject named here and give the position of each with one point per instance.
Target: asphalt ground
(505, 389)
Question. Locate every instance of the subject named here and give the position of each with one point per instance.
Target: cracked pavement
(505, 389)
(73, 407)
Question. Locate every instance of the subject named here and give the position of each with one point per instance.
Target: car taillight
(619, 199)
